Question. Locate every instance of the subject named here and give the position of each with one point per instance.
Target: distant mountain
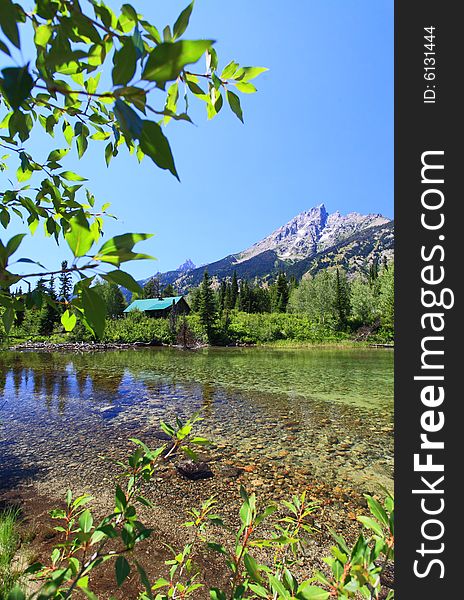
(312, 240)
(187, 266)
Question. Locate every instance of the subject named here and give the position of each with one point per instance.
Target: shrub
(136, 327)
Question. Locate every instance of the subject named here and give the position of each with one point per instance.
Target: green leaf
(217, 547)
(278, 588)
(94, 310)
(216, 594)
(248, 73)
(42, 35)
(68, 320)
(130, 12)
(14, 243)
(125, 63)
(71, 176)
(17, 85)
(306, 591)
(119, 249)
(8, 18)
(245, 88)
(8, 319)
(377, 510)
(234, 103)
(167, 60)
(252, 568)
(128, 119)
(4, 48)
(86, 521)
(82, 142)
(79, 237)
(182, 21)
(371, 524)
(122, 569)
(58, 154)
(153, 33)
(229, 70)
(144, 579)
(154, 144)
(124, 279)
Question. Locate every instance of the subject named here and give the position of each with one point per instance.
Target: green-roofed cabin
(160, 307)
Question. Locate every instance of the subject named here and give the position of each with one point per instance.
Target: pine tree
(244, 297)
(374, 271)
(228, 297)
(342, 299)
(207, 306)
(49, 314)
(261, 300)
(40, 286)
(65, 289)
(281, 293)
(222, 296)
(51, 288)
(292, 284)
(234, 290)
(152, 289)
(169, 291)
(194, 299)
(387, 299)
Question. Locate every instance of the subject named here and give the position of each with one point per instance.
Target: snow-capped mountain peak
(311, 231)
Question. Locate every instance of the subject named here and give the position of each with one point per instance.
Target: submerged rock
(194, 470)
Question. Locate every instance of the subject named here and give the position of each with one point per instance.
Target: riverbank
(47, 346)
(172, 496)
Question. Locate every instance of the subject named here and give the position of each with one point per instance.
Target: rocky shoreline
(174, 492)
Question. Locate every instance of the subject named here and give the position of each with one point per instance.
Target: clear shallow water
(326, 412)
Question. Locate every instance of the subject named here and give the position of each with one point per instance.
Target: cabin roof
(153, 304)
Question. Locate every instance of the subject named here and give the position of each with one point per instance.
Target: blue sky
(320, 129)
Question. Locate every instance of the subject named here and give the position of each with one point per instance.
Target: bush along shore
(328, 308)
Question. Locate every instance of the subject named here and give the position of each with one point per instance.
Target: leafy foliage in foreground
(87, 543)
(78, 47)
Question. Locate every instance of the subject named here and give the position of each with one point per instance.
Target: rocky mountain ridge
(312, 240)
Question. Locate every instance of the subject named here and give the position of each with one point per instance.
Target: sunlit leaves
(81, 133)
(245, 88)
(71, 176)
(167, 60)
(246, 74)
(94, 310)
(17, 84)
(68, 320)
(42, 35)
(76, 46)
(119, 249)
(229, 70)
(79, 237)
(124, 279)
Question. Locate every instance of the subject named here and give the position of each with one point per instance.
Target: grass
(9, 539)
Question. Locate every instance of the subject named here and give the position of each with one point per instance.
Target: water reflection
(329, 412)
